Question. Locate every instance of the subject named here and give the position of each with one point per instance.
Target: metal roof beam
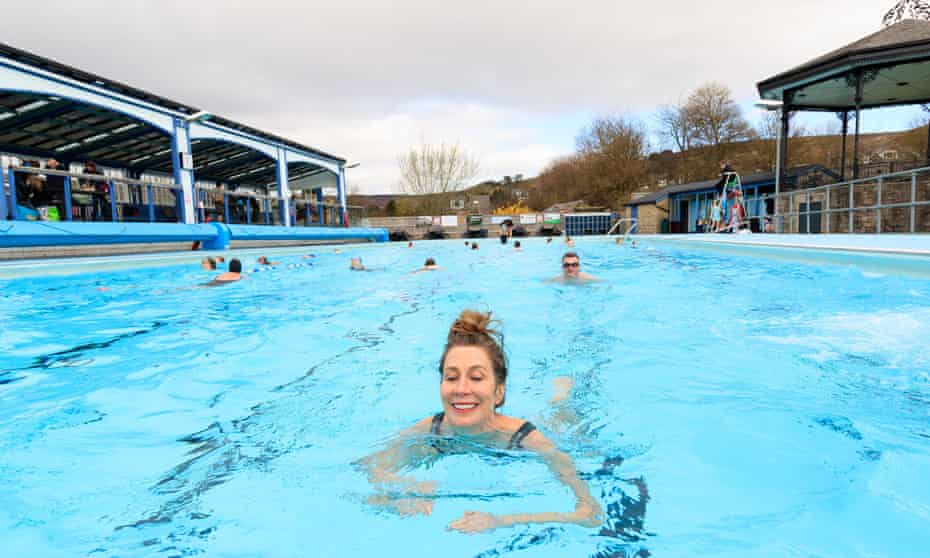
(112, 140)
(233, 166)
(36, 115)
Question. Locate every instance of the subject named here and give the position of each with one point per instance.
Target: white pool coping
(891, 244)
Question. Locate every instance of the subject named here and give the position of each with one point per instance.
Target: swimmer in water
(472, 389)
(234, 274)
(208, 264)
(428, 265)
(265, 261)
(356, 264)
(571, 271)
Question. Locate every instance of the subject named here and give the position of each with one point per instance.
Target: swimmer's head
(571, 264)
(208, 263)
(235, 265)
(473, 330)
(516, 244)
(429, 262)
(263, 260)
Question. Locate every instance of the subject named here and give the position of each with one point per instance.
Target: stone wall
(649, 217)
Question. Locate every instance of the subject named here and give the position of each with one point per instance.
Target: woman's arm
(383, 473)
(587, 510)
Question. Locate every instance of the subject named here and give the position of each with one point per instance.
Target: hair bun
(473, 322)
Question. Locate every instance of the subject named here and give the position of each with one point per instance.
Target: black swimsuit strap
(517, 439)
(437, 420)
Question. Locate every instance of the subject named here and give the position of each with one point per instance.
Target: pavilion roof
(895, 62)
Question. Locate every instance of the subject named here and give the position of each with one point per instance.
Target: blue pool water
(725, 405)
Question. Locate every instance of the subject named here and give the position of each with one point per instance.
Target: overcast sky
(512, 81)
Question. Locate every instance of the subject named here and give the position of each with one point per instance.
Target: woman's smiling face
(469, 390)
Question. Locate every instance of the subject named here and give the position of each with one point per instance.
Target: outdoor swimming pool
(725, 405)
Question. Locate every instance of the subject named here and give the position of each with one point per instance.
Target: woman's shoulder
(533, 440)
(422, 426)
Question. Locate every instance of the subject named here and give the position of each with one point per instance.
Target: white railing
(889, 203)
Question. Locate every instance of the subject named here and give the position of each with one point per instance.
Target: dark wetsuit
(516, 440)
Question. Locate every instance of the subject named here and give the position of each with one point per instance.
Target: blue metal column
(634, 214)
(67, 183)
(14, 211)
(319, 204)
(307, 214)
(150, 191)
(112, 189)
(284, 193)
(181, 144)
(226, 207)
(267, 203)
(3, 211)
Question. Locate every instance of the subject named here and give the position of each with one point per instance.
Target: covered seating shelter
(49, 110)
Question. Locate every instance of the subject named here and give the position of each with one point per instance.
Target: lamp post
(778, 107)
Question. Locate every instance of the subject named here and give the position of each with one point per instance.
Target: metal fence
(889, 203)
(250, 208)
(37, 194)
(31, 193)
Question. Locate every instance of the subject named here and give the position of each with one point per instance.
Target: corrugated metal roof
(907, 33)
(95, 80)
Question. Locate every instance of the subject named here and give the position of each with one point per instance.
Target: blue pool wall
(214, 236)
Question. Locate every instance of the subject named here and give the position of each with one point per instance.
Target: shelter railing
(250, 208)
(889, 203)
(37, 194)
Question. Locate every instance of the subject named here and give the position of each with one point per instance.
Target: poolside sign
(552, 218)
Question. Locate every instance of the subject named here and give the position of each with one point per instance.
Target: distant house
(470, 203)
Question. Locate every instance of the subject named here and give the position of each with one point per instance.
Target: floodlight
(198, 116)
(769, 104)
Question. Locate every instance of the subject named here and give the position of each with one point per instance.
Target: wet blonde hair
(474, 329)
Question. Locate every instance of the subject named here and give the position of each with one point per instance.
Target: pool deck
(891, 244)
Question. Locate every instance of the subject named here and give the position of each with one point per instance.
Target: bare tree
(907, 9)
(435, 169)
(715, 116)
(613, 150)
(675, 125)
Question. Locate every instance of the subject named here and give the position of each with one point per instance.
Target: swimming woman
(472, 389)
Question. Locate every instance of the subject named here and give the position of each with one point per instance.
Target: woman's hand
(475, 522)
(403, 506)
